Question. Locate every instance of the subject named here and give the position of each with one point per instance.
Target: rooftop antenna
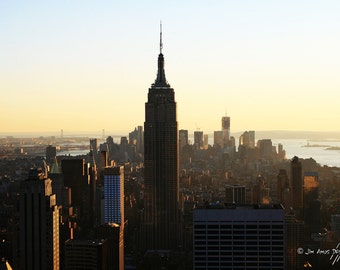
(160, 40)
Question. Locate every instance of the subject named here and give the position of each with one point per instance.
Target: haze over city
(87, 66)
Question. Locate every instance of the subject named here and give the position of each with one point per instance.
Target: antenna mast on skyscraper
(160, 40)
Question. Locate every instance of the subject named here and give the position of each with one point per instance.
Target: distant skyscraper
(311, 204)
(51, 153)
(183, 138)
(218, 138)
(77, 176)
(39, 223)
(281, 154)
(244, 237)
(140, 140)
(260, 193)
(284, 194)
(247, 139)
(266, 148)
(226, 129)
(103, 156)
(198, 139)
(235, 194)
(136, 138)
(205, 141)
(161, 164)
(94, 146)
(114, 195)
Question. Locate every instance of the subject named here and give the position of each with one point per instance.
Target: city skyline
(80, 66)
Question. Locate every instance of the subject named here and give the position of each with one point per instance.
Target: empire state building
(161, 178)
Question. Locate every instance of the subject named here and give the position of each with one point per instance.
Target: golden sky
(87, 66)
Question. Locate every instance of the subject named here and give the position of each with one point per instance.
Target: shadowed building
(284, 195)
(294, 235)
(39, 223)
(311, 204)
(297, 186)
(161, 165)
(239, 237)
(235, 194)
(183, 138)
(51, 153)
(77, 176)
(86, 254)
(198, 139)
(226, 129)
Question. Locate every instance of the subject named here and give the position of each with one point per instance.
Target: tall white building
(239, 237)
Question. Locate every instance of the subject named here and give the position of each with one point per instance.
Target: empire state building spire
(161, 80)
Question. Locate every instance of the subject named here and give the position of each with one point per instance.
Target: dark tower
(297, 186)
(160, 226)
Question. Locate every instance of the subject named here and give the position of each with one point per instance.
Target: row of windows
(266, 255)
(230, 237)
(243, 250)
(240, 259)
(225, 231)
(242, 263)
(239, 226)
(278, 245)
(238, 246)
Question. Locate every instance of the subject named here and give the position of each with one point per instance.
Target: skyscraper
(297, 186)
(114, 195)
(226, 129)
(198, 139)
(183, 138)
(161, 164)
(39, 223)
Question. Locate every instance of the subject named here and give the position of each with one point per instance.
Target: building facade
(226, 129)
(297, 186)
(235, 194)
(161, 165)
(39, 223)
(86, 254)
(239, 237)
(114, 195)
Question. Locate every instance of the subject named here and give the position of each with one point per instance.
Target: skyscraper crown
(160, 80)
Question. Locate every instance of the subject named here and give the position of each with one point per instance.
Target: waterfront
(317, 150)
(294, 147)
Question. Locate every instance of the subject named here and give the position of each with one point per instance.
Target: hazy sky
(88, 65)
